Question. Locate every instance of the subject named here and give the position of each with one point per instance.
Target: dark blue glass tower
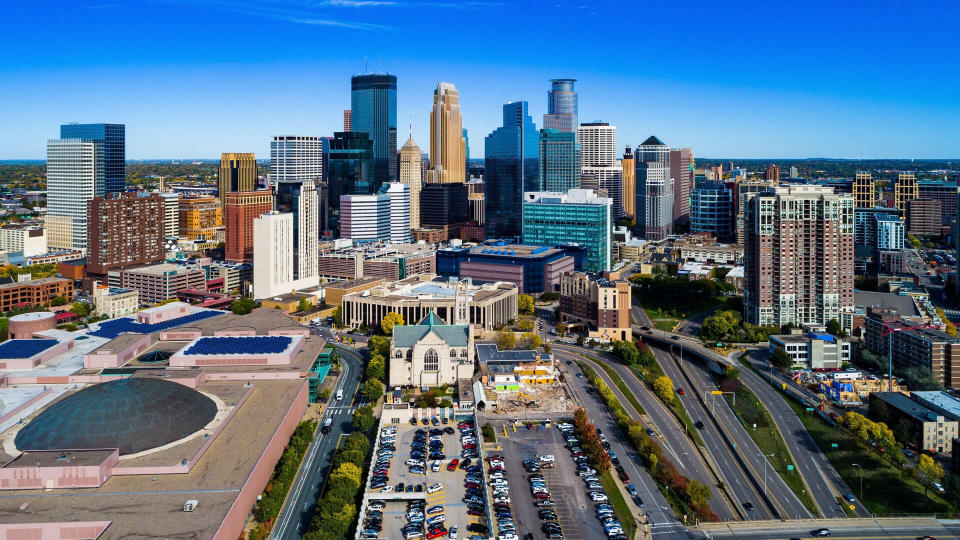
(349, 170)
(373, 106)
(114, 150)
(511, 166)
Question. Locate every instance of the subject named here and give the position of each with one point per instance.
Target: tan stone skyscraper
(410, 173)
(238, 172)
(448, 148)
(864, 192)
(904, 190)
(629, 183)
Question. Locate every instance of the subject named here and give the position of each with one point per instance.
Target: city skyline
(821, 85)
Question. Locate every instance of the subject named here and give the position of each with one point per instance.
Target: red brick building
(34, 292)
(124, 230)
(240, 209)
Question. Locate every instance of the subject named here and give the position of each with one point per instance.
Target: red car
(437, 533)
(541, 495)
(680, 391)
(452, 466)
(623, 476)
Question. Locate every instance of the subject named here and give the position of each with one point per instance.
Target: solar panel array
(128, 370)
(24, 348)
(113, 328)
(240, 345)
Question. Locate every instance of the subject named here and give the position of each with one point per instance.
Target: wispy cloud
(323, 13)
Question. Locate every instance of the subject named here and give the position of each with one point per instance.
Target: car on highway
(680, 391)
(698, 424)
(820, 532)
(849, 497)
(631, 490)
(748, 506)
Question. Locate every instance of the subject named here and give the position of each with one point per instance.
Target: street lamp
(860, 471)
(762, 456)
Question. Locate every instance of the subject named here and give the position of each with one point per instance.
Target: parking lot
(574, 510)
(405, 486)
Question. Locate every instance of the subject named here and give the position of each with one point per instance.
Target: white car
(596, 496)
(436, 466)
(547, 458)
(453, 532)
(386, 489)
(435, 488)
(436, 519)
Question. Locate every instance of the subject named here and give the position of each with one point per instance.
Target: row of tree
(271, 501)
(590, 441)
(336, 510)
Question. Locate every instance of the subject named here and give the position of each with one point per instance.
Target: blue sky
(193, 78)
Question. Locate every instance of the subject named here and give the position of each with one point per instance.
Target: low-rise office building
(114, 301)
(929, 430)
(533, 269)
(34, 292)
(162, 281)
(813, 349)
(390, 262)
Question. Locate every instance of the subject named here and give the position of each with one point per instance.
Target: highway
(294, 518)
(663, 522)
(848, 529)
(676, 445)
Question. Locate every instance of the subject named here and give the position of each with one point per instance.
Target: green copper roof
(454, 335)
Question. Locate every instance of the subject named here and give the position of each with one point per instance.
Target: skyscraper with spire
(447, 145)
(561, 106)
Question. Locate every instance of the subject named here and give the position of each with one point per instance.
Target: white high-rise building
(171, 214)
(272, 254)
(30, 241)
(598, 159)
(365, 218)
(295, 158)
(75, 174)
(302, 199)
(399, 194)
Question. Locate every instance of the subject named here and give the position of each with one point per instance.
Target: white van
(339, 395)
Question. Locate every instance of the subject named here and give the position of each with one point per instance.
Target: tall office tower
(559, 156)
(238, 172)
(75, 175)
(511, 165)
(944, 191)
(577, 216)
(629, 190)
(200, 217)
(273, 251)
(113, 137)
(799, 256)
(301, 199)
(681, 171)
(296, 158)
(347, 121)
(794, 172)
(171, 214)
(445, 206)
(742, 191)
(448, 149)
(241, 208)
(772, 174)
(373, 110)
(598, 158)
(905, 189)
(654, 190)
(124, 230)
(349, 170)
(864, 191)
(412, 175)
(399, 195)
(365, 218)
(561, 106)
(711, 209)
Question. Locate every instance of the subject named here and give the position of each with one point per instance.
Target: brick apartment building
(924, 217)
(124, 230)
(600, 303)
(162, 281)
(200, 217)
(34, 292)
(240, 209)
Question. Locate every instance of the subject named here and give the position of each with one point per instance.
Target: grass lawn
(886, 489)
(619, 504)
(751, 412)
(682, 310)
(667, 325)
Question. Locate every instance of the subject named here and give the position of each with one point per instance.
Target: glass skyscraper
(373, 106)
(559, 156)
(511, 166)
(711, 209)
(349, 170)
(114, 139)
(578, 216)
(561, 106)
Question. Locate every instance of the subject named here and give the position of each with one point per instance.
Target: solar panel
(24, 348)
(113, 328)
(127, 370)
(240, 345)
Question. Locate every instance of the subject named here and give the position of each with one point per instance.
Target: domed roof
(131, 414)
(410, 145)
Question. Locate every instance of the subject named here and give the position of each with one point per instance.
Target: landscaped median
(762, 429)
(686, 497)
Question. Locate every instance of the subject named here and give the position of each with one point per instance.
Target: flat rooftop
(903, 403)
(58, 458)
(163, 269)
(488, 353)
(948, 403)
(24, 348)
(114, 327)
(902, 303)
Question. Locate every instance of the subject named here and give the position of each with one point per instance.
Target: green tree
(376, 369)
(626, 351)
(525, 304)
(338, 317)
(325, 395)
(389, 321)
(242, 306)
(373, 390)
(698, 493)
(525, 324)
(561, 329)
(531, 340)
(780, 359)
(363, 419)
(663, 387)
(833, 326)
(506, 339)
(581, 340)
(59, 301)
(732, 372)
(304, 304)
(720, 325)
(929, 470)
(81, 309)
(379, 345)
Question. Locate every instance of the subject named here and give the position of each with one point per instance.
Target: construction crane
(889, 330)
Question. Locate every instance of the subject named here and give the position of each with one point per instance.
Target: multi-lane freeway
(297, 511)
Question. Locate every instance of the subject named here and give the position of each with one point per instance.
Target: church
(431, 353)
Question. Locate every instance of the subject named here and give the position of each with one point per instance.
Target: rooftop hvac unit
(190, 505)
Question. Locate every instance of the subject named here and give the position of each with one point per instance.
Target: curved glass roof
(132, 414)
(154, 357)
